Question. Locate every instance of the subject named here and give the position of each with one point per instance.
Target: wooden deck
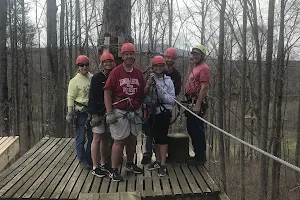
(50, 170)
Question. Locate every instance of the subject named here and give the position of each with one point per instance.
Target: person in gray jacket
(159, 99)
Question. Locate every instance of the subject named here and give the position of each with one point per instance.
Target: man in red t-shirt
(125, 86)
(195, 91)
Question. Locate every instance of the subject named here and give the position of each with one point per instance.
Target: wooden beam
(8, 150)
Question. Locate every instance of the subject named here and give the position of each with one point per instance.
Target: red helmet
(158, 60)
(127, 47)
(171, 52)
(106, 56)
(82, 59)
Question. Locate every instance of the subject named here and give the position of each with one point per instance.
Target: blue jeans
(83, 154)
(195, 128)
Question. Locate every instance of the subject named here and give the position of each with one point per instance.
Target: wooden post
(178, 147)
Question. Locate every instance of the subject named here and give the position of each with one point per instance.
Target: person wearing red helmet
(159, 99)
(96, 108)
(125, 85)
(77, 101)
(195, 91)
(170, 57)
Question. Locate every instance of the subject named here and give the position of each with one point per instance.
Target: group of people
(117, 103)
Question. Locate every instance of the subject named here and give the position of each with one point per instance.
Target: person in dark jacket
(96, 108)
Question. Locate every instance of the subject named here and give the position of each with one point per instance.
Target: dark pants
(149, 146)
(83, 153)
(195, 128)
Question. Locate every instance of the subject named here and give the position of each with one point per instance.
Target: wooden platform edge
(9, 150)
(110, 196)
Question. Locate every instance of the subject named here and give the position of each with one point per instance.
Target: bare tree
(263, 193)
(221, 99)
(243, 100)
(279, 86)
(4, 126)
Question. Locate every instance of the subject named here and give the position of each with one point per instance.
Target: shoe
(85, 165)
(195, 161)
(153, 166)
(98, 172)
(115, 175)
(146, 160)
(133, 168)
(162, 171)
(105, 168)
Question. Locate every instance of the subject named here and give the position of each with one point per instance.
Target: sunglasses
(82, 65)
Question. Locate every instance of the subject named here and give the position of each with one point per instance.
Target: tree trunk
(25, 97)
(259, 71)
(263, 193)
(170, 12)
(243, 101)
(16, 75)
(116, 22)
(279, 86)
(221, 93)
(61, 72)
(56, 115)
(4, 124)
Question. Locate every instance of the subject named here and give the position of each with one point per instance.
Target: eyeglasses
(82, 65)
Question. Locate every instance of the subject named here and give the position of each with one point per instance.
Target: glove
(151, 80)
(70, 117)
(96, 120)
(111, 118)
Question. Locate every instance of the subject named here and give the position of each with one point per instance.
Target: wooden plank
(96, 185)
(131, 183)
(88, 182)
(113, 186)
(15, 177)
(105, 185)
(89, 196)
(202, 184)
(211, 183)
(44, 171)
(2, 139)
(79, 184)
(5, 141)
(166, 186)
(190, 179)
(122, 185)
(33, 152)
(71, 182)
(130, 196)
(139, 185)
(156, 184)
(181, 179)
(8, 151)
(109, 196)
(173, 179)
(66, 170)
(35, 171)
(46, 183)
(148, 192)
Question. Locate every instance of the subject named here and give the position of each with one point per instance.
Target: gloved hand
(196, 109)
(111, 118)
(151, 79)
(96, 120)
(70, 117)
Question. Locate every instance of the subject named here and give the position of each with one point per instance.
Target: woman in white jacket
(160, 101)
